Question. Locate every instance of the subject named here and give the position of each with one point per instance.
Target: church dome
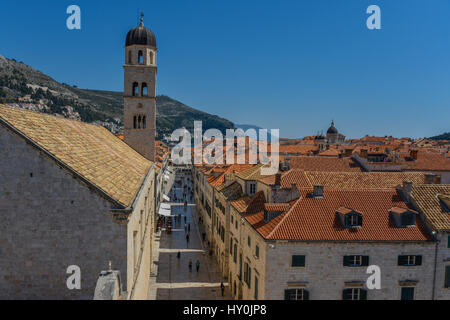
(141, 36)
(332, 129)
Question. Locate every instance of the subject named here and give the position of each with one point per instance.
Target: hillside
(444, 136)
(25, 86)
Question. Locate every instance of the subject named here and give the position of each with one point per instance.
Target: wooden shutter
(305, 295)
(402, 260)
(287, 294)
(365, 261)
(447, 277)
(418, 260)
(347, 294)
(346, 261)
(362, 294)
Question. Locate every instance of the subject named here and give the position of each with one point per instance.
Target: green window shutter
(447, 277)
(365, 261)
(418, 260)
(362, 294)
(305, 295)
(346, 261)
(402, 260)
(347, 294)
(287, 294)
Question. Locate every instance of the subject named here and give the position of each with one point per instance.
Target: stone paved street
(173, 280)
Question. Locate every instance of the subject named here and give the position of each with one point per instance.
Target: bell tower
(140, 90)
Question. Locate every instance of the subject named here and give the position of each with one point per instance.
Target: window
(296, 294)
(135, 122)
(298, 261)
(235, 253)
(144, 122)
(247, 274)
(144, 90)
(256, 288)
(151, 57)
(140, 57)
(353, 220)
(135, 89)
(257, 251)
(356, 261)
(409, 260)
(447, 277)
(408, 219)
(407, 293)
(249, 241)
(354, 294)
(231, 245)
(252, 188)
(129, 57)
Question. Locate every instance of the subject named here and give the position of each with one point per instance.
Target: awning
(165, 206)
(165, 212)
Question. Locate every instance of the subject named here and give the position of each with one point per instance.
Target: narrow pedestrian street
(171, 278)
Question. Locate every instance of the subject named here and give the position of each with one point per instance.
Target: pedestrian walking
(189, 227)
(187, 239)
(222, 288)
(185, 228)
(197, 265)
(184, 219)
(190, 265)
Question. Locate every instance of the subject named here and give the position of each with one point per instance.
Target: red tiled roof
(315, 219)
(325, 164)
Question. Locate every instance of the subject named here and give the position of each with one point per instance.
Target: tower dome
(141, 36)
(332, 129)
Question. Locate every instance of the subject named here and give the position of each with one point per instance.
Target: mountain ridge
(23, 85)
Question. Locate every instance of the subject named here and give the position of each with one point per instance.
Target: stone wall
(325, 276)
(51, 220)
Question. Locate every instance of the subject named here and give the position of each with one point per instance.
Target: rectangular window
(356, 261)
(247, 274)
(257, 251)
(407, 293)
(354, 294)
(249, 241)
(298, 261)
(447, 277)
(409, 260)
(296, 294)
(256, 288)
(252, 188)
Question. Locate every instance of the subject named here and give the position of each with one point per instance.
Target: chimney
(413, 153)
(430, 178)
(363, 153)
(407, 189)
(318, 191)
(278, 179)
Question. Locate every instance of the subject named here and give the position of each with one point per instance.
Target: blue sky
(293, 65)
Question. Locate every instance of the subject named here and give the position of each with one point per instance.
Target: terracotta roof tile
(315, 219)
(429, 200)
(91, 151)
